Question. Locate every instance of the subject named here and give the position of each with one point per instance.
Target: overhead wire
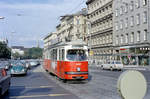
(77, 6)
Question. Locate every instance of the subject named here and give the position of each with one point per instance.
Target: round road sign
(132, 85)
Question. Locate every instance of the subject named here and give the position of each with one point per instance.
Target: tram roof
(74, 42)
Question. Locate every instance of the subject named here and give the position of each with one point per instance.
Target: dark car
(4, 81)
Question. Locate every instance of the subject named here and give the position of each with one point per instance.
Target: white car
(115, 65)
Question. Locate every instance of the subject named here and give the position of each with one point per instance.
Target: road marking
(34, 96)
(31, 87)
(39, 87)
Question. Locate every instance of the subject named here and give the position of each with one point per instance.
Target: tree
(33, 53)
(16, 55)
(4, 51)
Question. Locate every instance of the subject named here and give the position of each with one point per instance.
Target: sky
(27, 21)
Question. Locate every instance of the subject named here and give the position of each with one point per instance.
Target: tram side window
(49, 54)
(60, 55)
(54, 54)
(63, 54)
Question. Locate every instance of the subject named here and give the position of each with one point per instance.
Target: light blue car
(18, 69)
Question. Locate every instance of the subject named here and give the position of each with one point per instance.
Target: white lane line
(34, 96)
(31, 87)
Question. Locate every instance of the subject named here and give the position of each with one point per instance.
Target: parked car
(4, 81)
(18, 69)
(25, 63)
(7, 65)
(34, 63)
(114, 65)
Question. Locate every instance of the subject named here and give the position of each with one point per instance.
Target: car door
(1, 82)
(4, 81)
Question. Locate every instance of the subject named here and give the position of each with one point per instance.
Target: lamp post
(1, 17)
(11, 43)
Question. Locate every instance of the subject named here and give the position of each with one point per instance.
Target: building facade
(18, 49)
(131, 31)
(72, 26)
(50, 39)
(100, 38)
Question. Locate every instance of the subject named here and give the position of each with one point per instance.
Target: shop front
(135, 56)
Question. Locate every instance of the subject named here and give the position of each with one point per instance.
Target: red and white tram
(67, 60)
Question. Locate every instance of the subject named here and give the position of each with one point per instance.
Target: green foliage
(4, 51)
(16, 55)
(33, 53)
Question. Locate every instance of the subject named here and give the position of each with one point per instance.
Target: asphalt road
(35, 85)
(101, 85)
(38, 84)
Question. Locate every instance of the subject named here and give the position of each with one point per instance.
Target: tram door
(61, 62)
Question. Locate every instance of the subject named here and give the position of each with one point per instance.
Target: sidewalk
(126, 67)
(135, 67)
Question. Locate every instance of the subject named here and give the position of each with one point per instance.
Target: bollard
(132, 85)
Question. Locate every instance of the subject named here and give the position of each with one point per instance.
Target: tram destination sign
(77, 46)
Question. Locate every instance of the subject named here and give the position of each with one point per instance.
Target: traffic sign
(91, 53)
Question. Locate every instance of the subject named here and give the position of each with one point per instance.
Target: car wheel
(7, 92)
(102, 67)
(111, 68)
(0, 93)
(64, 81)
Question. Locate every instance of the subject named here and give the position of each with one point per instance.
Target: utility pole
(148, 29)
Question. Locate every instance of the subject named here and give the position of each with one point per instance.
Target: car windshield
(17, 64)
(76, 55)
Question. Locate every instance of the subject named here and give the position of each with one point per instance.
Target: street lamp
(1, 17)
(11, 43)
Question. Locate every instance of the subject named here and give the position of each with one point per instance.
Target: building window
(121, 40)
(121, 10)
(121, 24)
(126, 8)
(145, 17)
(137, 3)
(132, 37)
(131, 5)
(126, 38)
(144, 2)
(132, 20)
(116, 12)
(116, 26)
(138, 19)
(117, 39)
(138, 36)
(145, 35)
(126, 23)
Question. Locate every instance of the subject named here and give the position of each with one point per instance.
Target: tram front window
(76, 55)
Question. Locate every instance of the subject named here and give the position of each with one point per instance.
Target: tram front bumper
(76, 75)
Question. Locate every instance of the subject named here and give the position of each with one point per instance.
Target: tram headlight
(78, 69)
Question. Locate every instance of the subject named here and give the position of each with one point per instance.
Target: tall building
(131, 31)
(100, 15)
(72, 26)
(50, 39)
